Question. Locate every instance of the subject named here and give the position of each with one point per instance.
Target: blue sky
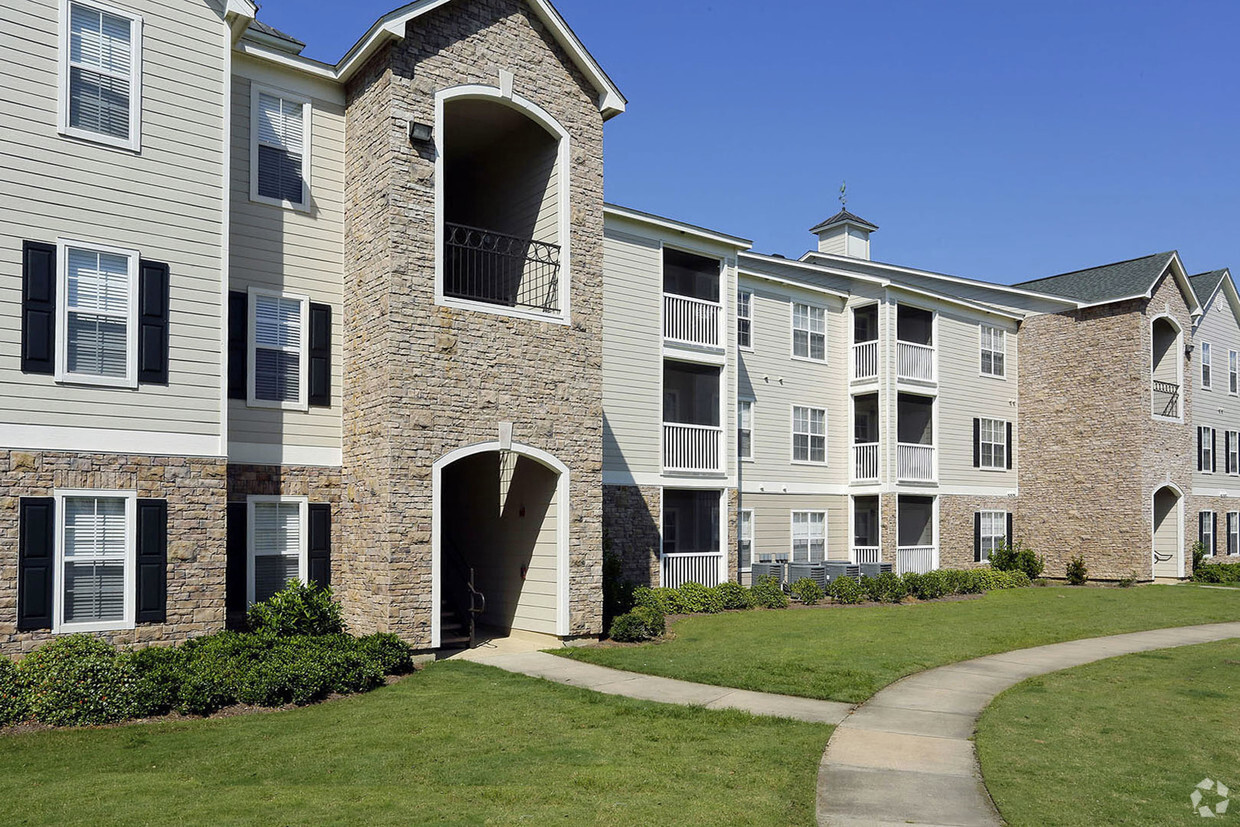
(997, 140)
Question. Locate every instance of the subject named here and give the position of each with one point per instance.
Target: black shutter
(1227, 452)
(320, 387)
(1213, 533)
(1010, 447)
(977, 535)
(35, 561)
(1213, 450)
(238, 328)
(1200, 445)
(38, 307)
(152, 323)
(235, 584)
(977, 443)
(1008, 539)
(319, 547)
(152, 561)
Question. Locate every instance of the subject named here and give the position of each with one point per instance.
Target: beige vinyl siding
(166, 202)
(772, 521)
(1215, 408)
(294, 251)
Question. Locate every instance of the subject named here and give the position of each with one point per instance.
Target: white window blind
(101, 72)
(744, 531)
(809, 434)
(1205, 365)
(992, 351)
(809, 327)
(1233, 532)
(280, 127)
(95, 551)
(278, 546)
(278, 344)
(809, 536)
(98, 313)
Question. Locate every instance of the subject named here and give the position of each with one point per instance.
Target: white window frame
(303, 363)
(810, 333)
(744, 300)
(996, 338)
(62, 372)
(810, 448)
(1233, 373)
(307, 140)
(996, 540)
(1206, 449)
(1233, 533)
(1205, 531)
(303, 554)
(1207, 370)
(1232, 446)
(999, 440)
(809, 539)
(743, 405)
(134, 142)
(744, 518)
(59, 626)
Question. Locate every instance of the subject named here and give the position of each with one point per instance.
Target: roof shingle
(1106, 283)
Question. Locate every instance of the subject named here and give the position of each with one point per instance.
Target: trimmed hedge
(297, 609)
(807, 591)
(846, 590)
(698, 599)
(77, 680)
(768, 594)
(643, 623)
(884, 588)
(734, 596)
(1217, 573)
(14, 706)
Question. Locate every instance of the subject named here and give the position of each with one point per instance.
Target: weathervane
(844, 194)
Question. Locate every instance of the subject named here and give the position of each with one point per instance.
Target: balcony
(699, 567)
(914, 362)
(865, 462)
(486, 266)
(1166, 399)
(691, 532)
(692, 448)
(915, 463)
(866, 554)
(865, 361)
(690, 321)
(916, 559)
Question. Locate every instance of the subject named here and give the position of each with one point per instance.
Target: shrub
(768, 594)
(698, 599)
(14, 707)
(807, 591)
(1017, 558)
(734, 595)
(617, 592)
(1217, 573)
(1199, 555)
(160, 671)
(1077, 572)
(391, 654)
(1127, 582)
(297, 609)
(846, 590)
(665, 601)
(929, 586)
(643, 623)
(77, 680)
(884, 588)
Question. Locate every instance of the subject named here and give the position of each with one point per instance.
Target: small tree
(1077, 572)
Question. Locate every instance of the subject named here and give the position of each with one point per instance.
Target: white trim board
(107, 441)
(655, 480)
(258, 453)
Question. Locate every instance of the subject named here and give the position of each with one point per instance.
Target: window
(809, 326)
(1232, 439)
(992, 532)
(993, 443)
(744, 531)
(101, 74)
(1233, 372)
(95, 561)
(277, 533)
(1233, 532)
(279, 162)
(744, 437)
(1205, 365)
(1205, 450)
(1205, 531)
(278, 343)
(744, 321)
(993, 351)
(97, 308)
(809, 536)
(809, 434)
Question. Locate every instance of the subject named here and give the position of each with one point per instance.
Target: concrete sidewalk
(906, 755)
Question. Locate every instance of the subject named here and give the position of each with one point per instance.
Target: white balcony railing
(865, 360)
(691, 447)
(918, 559)
(915, 463)
(915, 361)
(865, 462)
(866, 554)
(690, 321)
(698, 567)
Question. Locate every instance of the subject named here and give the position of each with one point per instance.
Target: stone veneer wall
(422, 380)
(956, 519)
(631, 530)
(1091, 454)
(195, 491)
(1220, 506)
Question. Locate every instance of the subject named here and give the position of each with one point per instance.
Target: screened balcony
(865, 452)
(915, 458)
(692, 433)
(865, 343)
(692, 552)
(914, 344)
(691, 306)
(865, 543)
(916, 550)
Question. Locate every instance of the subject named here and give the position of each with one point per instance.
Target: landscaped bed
(846, 653)
(1121, 741)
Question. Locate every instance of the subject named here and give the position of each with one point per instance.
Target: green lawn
(455, 744)
(1121, 741)
(847, 653)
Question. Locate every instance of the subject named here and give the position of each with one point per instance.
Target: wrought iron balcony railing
(486, 266)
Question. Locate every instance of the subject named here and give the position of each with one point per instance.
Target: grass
(455, 744)
(848, 653)
(1121, 741)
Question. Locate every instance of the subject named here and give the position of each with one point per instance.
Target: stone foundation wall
(631, 530)
(956, 524)
(1192, 511)
(195, 490)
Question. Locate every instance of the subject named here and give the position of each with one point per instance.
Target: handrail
(477, 601)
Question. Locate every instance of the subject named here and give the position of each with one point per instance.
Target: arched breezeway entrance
(502, 513)
(1168, 532)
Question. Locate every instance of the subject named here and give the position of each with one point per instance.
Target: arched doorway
(501, 515)
(1168, 532)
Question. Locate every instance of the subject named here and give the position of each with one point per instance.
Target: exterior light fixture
(420, 133)
(1188, 351)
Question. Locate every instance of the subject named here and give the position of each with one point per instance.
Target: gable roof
(1204, 284)
(278, 39)
(1110, 282)
(844, 217)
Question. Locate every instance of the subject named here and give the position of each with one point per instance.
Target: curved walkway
(906, 755)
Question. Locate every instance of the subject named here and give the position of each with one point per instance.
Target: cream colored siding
(166, 202)
(289, 250)
(772, 521)
(1216, 408)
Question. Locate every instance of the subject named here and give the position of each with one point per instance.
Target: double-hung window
(809, 536)
(279, 325)
(95, 561)
(1232, 445)
(744, 436)
(1205, 531)
(993, 446)
(744, 320)
(744, 532)
(993, 351)
(992, 532)
(277, 531)
(1233, 532)
(809, 332)
(97, 310)
(101, 74)
(1206, 438)
(1233, 372)
(809, 434)
(279, 158)
(1205, 366)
